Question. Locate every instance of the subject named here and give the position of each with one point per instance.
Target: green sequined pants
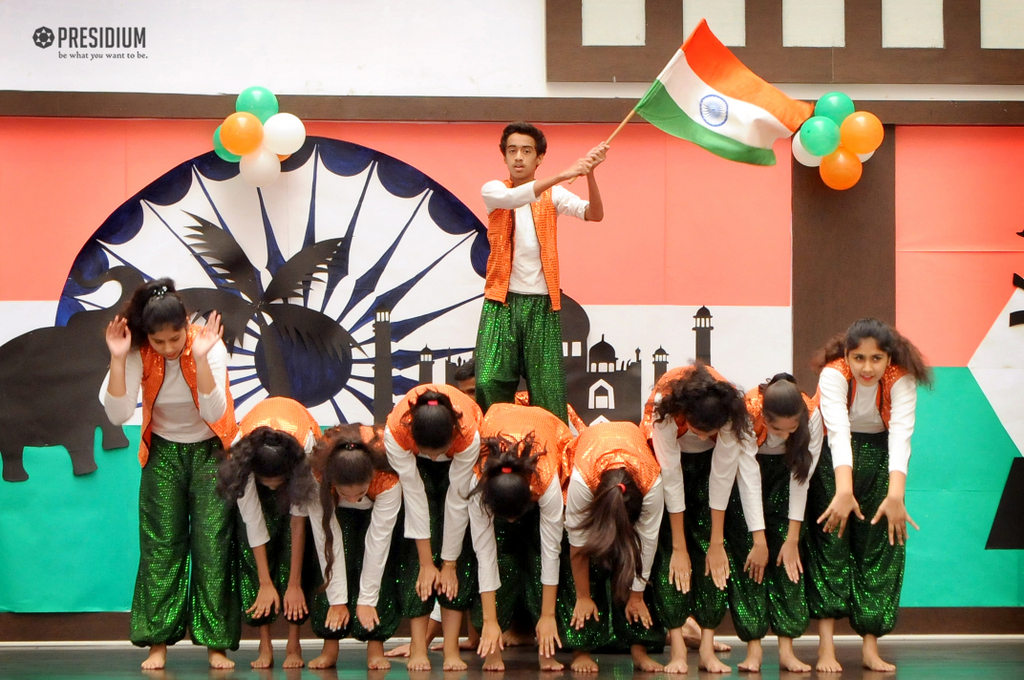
(776, 601)
(519, 564)
(521, 338)
(354, 525)
(859, 575)
(707, 603)
(186, 542)
(612, 633)
(435, 482)
(671, 606)
(279, 556)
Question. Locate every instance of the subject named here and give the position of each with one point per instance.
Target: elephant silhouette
(49, 386)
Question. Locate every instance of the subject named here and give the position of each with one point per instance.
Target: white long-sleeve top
(417, 512)
(774, 446)
(863, 416)
(551, 525)
(175, 416)
(527, 276)
(578, 499)
(250, 508)
(377, 546)
(733, 460)
(337, 588)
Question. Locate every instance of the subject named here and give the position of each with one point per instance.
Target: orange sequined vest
(664, 388)
(609, 446)
(884, 393)
(399, 422)
(755, 407)
(552, 436)
(153, 379)
(501, 235)
(523, 399)
(281, 414)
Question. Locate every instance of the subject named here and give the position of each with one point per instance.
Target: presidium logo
(73, 39)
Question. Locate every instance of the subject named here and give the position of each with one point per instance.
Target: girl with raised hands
(699, 429)
(613, 509)
(868, 395)
(788, 431)
(185, 530)
(432, 441)
(516, 497)
(360, 500)
(267, 473)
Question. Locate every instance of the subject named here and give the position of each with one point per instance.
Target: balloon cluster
(258, 137)
(837, 139)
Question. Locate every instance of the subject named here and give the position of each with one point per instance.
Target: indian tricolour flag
(707, 96)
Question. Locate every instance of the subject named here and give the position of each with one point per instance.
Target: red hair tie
(622, 487)
(506, 470)
(432, 402)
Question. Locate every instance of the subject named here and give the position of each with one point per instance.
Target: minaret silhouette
(660, 363)
(383, 383)
(702, 326)
(426, 365)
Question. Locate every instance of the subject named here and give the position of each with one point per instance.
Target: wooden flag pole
(612, 135)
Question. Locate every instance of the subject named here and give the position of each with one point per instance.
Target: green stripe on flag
(659, 109)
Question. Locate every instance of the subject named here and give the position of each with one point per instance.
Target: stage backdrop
(694, 251)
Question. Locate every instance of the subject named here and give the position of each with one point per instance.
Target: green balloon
(834, 105)
(819, 135)
(259, 101)
(219, 149)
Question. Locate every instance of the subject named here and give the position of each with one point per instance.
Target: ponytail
(613, 541)
(781, 398)
(152, 306)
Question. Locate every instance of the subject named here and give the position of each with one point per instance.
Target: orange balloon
(861, 132)
(284, 157)
(841, 169)
(241, 133)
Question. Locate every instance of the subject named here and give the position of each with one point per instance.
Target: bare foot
(677, 645)
(582, 662)
(418, 663)
(293, 659)
(157, 658)
(515, 638)
(465, 644)
(871, 659)
(375, 660)
(454, 663)
(551, 664)
(642, 661)
(493, 662)
(399, 651)
(827, 662)
(708, 661)
(755, 655)
(787, 658)
(677, 666)
(691, 635)
(266, 657)
(328, 656)
(218, 659)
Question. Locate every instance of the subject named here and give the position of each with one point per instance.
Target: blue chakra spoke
(400, 329)
(338, 269)
(239, 381)
(337, 411)
(310, 236)
(366, 400)
(274, 257)
(244, 397)
(215, 278)
(213, 206)
(125, 262)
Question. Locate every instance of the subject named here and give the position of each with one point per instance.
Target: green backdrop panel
(961, 457)
(71, 543)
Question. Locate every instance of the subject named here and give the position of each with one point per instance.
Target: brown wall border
(105, 626)
(862, 60)
(448, 109)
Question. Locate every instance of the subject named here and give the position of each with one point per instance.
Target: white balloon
(284, 133)
(802, 155)
(864, 156)
(260, 168)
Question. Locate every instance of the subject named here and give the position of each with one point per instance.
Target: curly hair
(266, 452)
(706, 403)
(902, 352)
(613, 541)
(153, 306)
(506, 475)
(781, 398)
(344, 457)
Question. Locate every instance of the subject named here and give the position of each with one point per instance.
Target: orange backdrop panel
(670, 207)
(958, 206)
